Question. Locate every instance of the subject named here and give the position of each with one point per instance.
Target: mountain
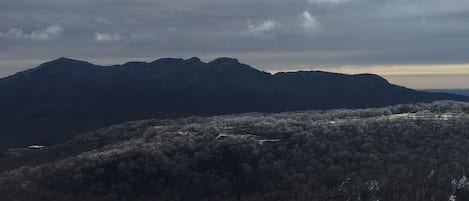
(397, 153)
(464, 92)
(61, 98)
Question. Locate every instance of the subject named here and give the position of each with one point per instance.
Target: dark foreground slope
(400, 153)
(61, 98)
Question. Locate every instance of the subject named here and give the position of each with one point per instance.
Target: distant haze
(417, 43)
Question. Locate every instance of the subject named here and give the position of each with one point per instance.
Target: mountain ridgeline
(61, 98)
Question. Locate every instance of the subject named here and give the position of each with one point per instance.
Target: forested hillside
(399, 153)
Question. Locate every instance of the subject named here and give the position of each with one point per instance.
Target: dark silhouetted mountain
(464, 92)
(61, 98)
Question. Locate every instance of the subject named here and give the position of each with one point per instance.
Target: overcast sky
(410, 42)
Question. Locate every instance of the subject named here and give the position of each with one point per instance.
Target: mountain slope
(58, 99)
(397, 153)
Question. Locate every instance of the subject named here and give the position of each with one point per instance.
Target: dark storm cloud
(269, 34)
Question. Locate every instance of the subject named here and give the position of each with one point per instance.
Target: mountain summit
(61, 98)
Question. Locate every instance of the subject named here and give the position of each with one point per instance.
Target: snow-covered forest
(398, 153)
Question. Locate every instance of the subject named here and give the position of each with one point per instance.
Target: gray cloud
(268, 34)
(259, 29)
(107, 37)
(328, 1)
(48, 33)
(308, 21)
